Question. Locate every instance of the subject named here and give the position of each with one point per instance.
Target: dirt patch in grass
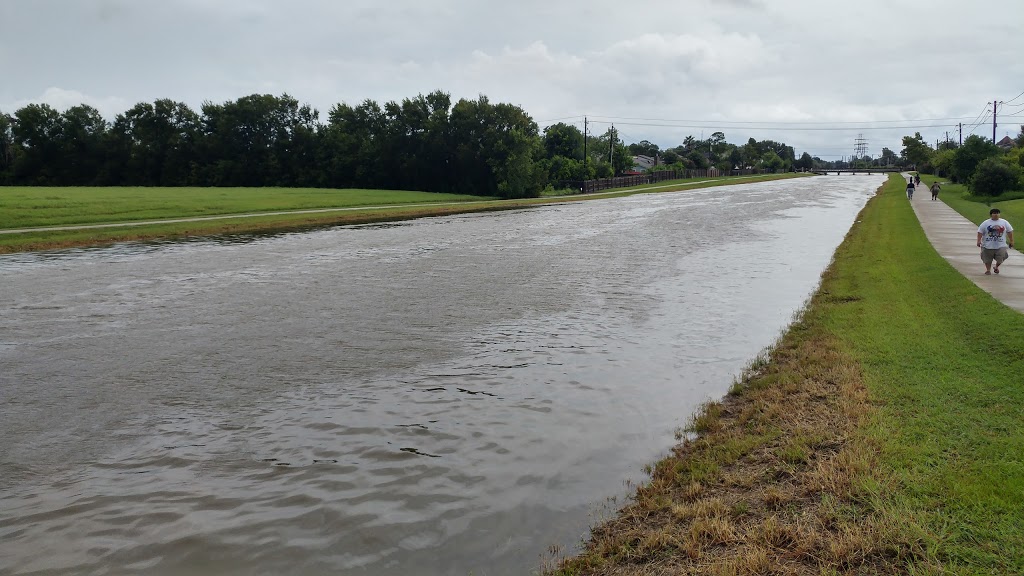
(774, 479)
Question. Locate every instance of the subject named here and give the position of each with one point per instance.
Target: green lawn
(30, 207)
(27, 207)
(944, 361)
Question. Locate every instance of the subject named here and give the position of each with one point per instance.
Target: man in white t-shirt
(995, 235)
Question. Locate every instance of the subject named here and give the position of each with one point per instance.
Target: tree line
(986, 168)
(715, 152)
(427, 143)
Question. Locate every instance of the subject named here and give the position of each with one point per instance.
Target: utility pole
(584, 142)
(611, 147)
(994, 103)
(960, 127)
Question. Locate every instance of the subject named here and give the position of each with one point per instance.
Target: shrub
(993, 177)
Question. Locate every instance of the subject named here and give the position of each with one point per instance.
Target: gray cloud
(786, 61)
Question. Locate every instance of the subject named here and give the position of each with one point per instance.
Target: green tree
(6, 148)
(155, 144)
(942, 162)
(736, 157)
(967, 158)
(698, 160)
(717, 146)
(805, 162)
(36, 132)
(644, 148)
(352, 143)
(751, 154)
(772, 161)
(80, 140)
(915, 150)
(495, 148)
(563, 140)
(993, 177)
(888, 157)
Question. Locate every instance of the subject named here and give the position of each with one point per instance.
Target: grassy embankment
(31, 207)
(884, 433)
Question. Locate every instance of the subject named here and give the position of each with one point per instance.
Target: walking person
(995, 237)
(910, 188)
(935, 190)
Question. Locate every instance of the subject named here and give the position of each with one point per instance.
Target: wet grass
(882, 434)
(26, 207)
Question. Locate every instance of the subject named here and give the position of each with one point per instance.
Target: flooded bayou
(443, 396)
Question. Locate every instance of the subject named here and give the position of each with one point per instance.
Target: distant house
(1006, 143)
(641, 163)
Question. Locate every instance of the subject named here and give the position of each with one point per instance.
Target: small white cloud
(61, 99)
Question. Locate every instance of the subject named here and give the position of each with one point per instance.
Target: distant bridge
(839, 171)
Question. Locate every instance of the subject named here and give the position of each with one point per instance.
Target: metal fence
(591, 186)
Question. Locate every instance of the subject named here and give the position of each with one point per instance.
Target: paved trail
(954, 237)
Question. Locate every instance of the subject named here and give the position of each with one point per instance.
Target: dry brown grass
(770, 481)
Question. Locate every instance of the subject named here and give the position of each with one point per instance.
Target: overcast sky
(822, 71)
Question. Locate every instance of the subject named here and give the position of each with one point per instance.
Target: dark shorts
(997, 254)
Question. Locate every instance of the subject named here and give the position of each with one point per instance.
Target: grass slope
(884, 434)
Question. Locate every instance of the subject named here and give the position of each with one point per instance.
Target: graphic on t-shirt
(995, 231)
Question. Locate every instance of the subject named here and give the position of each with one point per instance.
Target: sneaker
(996, 269)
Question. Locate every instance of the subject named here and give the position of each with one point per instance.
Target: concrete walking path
(954, 238)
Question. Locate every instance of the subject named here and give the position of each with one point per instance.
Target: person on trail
(910, 188)
(935, 190)
(995, 235)
(917, 179)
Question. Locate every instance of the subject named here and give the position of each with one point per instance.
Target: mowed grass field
(29, 207)
(884, 434)
(108, 211)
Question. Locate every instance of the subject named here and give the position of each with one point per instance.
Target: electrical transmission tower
(860, 147)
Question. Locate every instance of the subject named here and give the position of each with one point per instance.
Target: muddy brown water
(441, 396)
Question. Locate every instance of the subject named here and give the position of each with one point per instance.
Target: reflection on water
(442, 396)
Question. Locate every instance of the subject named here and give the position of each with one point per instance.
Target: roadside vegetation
(882, 434)
(31, 207)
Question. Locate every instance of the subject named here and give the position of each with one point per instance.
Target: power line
(984, 109)
(777, 128)
(1014, 98)
(983, 120)
(782, 122)
(987, 113)
(559, 119)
